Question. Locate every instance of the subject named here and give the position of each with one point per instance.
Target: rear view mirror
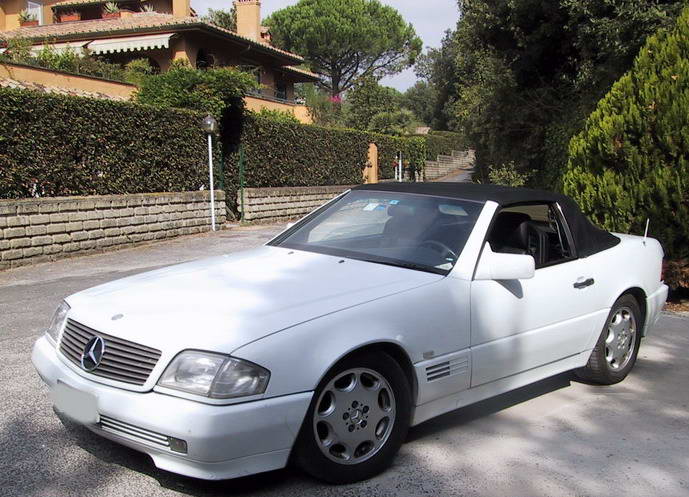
(499, 266)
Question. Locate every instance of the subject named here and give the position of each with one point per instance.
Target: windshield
(408, 230)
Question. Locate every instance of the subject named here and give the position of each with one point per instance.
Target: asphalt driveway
(557, 437)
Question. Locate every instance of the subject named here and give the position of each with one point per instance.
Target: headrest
(507, 222)
(511, 229)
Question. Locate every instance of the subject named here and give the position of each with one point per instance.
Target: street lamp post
(210, 126)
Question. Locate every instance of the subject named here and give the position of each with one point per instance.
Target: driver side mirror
(499, 266)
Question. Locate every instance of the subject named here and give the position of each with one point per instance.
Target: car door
(518, 325)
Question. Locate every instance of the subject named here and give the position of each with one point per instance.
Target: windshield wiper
(408, 265)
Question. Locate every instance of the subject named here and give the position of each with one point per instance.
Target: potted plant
(70, 15)
(111, 11)
(27, 19)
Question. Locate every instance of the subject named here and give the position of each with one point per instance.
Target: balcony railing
(274, 96)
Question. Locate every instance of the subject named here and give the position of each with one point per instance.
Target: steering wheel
(440, 247)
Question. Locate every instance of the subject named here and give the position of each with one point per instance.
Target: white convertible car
(390, 305)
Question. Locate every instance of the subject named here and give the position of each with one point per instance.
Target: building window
(35, 8)
(204, 60)
(281, 90)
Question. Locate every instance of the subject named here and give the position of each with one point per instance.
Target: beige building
(163, 31)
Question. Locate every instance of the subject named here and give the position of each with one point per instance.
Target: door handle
(583, 284)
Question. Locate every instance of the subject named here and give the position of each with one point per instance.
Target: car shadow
(274, 482)
(113, 453)
(488, 407)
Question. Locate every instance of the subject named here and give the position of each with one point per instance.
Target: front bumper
(223, 441)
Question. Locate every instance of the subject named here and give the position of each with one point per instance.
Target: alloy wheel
(354, 416)
(621, 339)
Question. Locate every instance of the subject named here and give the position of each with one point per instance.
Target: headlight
(58, 322)
(214, 375)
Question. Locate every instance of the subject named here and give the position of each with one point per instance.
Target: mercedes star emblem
(93, 353)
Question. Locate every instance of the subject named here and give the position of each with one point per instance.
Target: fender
(394, 319)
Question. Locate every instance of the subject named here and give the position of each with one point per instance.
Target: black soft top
(588, 239)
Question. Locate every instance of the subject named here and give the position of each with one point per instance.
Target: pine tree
(631, 162)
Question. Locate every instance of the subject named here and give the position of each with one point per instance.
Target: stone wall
(448, 164)
(278, 204)
(43, 229)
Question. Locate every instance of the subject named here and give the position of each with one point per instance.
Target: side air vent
(447, 368)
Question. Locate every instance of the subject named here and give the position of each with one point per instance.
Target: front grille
(130, 431)
(122, 360)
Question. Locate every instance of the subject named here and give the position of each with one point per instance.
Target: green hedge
(443, 143)
(279, 153)
(53, 145)
(413, 153)
(631, 162)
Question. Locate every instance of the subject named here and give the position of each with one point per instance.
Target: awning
(130, 44)
(76, 47)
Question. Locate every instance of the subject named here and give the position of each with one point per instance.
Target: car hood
(223, 303)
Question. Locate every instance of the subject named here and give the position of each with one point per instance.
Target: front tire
(357, 420)
(615, 352)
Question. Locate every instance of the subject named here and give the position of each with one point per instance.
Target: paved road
(557, 437)
(463, 176)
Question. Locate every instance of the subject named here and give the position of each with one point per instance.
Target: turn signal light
(177, 445)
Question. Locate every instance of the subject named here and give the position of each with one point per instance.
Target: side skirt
(440, 406)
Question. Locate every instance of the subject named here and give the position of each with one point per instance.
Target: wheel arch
(640, 297)
(392, 349)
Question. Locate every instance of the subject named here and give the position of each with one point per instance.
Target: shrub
(111, 8)
(443, 143)
(277, 115)
(507, 175)
(397, 122)
(368, 98)
(214, 90)
(19, 52)
(137, 70)
(322, 108)
(53, 145)
(26, 16)
(631, 162)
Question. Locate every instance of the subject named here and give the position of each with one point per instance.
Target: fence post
(371, 170)
(241, 180)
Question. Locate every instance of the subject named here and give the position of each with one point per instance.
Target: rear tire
(357, 420)
(615, 352)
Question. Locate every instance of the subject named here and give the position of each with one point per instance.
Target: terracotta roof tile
(139, 22)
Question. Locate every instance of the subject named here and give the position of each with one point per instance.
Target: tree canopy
(343, 40)
(366, 99)
(215, 90)
(223, 18)
(520, 76)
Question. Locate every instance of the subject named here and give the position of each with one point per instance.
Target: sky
(430, 19)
